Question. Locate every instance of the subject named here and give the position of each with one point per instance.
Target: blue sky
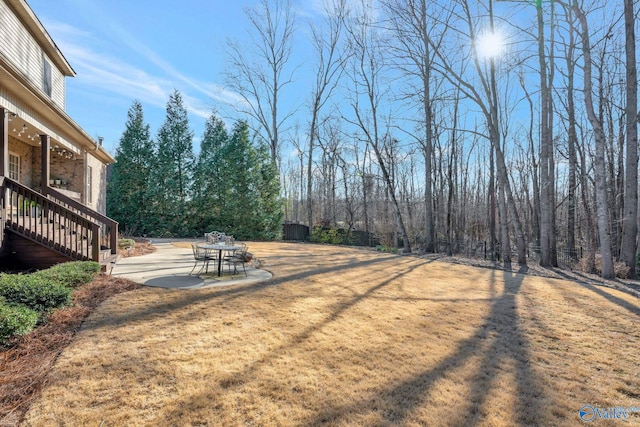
(123, 50)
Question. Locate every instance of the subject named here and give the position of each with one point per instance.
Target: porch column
(44, 164)
(4, 142)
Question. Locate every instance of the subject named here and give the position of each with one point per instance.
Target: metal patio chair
(201, 255)
(239, 257)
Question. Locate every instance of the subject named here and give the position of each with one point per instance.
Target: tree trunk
(492, 205)
(572, 141)
(629, 220)
(505, 243)
(547, 181)
(602, 215)
(591, 226)
(312, 137)
(535, 211)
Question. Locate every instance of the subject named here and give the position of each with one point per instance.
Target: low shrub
(382, 248)
(334, 236)
(71, 274)
(35, 291)
(126, 243)
(15, 320)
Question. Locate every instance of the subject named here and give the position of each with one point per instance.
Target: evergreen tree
(252, 207)
(127, 194)
(210, 186)
(240, 201)
(173, 164)
(269, 213)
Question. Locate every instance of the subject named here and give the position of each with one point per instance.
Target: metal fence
(566, 257)
(482, 249)
(300, 232)
(296, 232)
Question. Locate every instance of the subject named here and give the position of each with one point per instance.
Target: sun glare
(490, 45)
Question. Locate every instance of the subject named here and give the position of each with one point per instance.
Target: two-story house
(52, 173)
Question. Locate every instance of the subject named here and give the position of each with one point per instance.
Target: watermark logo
(589, 413)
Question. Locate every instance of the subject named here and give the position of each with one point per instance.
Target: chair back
(214, 237)
(199, 253)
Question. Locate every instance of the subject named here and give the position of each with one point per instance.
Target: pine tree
(239, 200)
(173, 164)
(252, 207)
(127, 193)
(210, 186)
(270, 213)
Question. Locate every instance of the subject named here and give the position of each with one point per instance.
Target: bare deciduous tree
(486, 97)
(259, 72)
(329, 69)
(367, 63)
(602, 216)
(414, 28)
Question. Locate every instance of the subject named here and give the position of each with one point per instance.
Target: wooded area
(500, 128)
(445, 125)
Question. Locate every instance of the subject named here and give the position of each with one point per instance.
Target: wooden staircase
(42, 230)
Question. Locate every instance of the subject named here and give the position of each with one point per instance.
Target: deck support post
(4, 142)
(45, 164)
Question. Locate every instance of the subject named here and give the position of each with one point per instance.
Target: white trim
(11, 175)
(89, 186)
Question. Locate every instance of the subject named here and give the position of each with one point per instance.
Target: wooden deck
(40, 231)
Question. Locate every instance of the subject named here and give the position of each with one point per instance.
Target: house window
(46, 77)
(14, 166)
(89, 192)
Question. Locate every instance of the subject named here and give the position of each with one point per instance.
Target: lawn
(351, 337)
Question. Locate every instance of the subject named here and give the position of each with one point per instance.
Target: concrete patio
(169, 267)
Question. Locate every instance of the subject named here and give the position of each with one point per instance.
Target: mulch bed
(26, 361)
(142, 247)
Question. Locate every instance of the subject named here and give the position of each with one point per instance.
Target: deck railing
(48, 222)
(108, 227)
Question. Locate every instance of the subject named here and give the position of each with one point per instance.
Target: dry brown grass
(25, 363)
(350, 337)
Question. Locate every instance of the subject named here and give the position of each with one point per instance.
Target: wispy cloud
(107, 73)
(110, 74)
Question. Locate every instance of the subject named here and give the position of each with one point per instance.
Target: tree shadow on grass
(501, 341)
(337, 310)
(634, 309)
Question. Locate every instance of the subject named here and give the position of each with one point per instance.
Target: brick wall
(25, 151)
(70, 170)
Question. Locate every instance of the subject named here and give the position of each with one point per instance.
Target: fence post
(95, 242)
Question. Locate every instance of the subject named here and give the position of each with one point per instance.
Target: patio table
(220, 247)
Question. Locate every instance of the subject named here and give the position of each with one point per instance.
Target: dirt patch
(343, 337)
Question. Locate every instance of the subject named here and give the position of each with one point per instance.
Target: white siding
(98, 183)
(22, 50)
